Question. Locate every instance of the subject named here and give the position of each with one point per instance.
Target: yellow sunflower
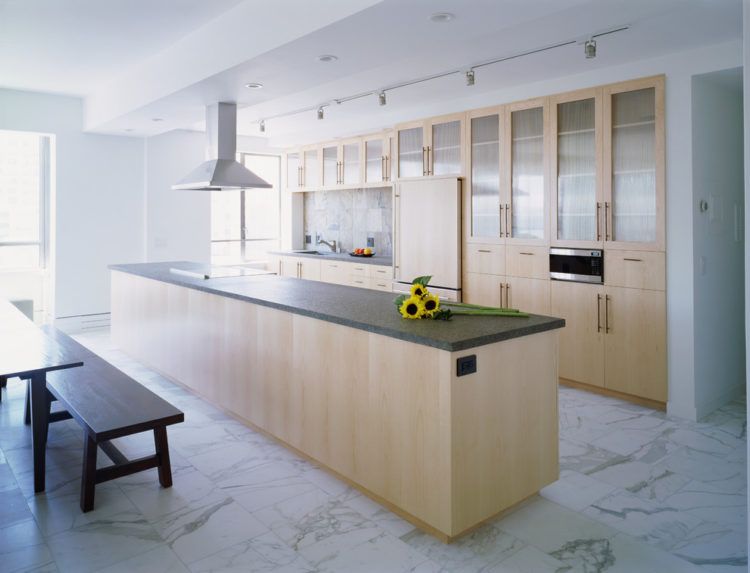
(412, 307)
(431, 304)
(418, 290)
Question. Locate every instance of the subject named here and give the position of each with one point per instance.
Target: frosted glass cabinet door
(576, 171)
(292, 170)
(633, 217)
(374, 161)
(411, 152)
(485, 176)
(445, 151)
(527, 172)
(311, 168)
(330, 165)
(351, 163)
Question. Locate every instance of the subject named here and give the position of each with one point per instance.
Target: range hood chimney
(222, 171)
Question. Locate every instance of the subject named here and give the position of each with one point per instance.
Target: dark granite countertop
(325, 256)
(364, 309)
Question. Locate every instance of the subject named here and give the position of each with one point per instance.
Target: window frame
(42, 242)
(243, 240)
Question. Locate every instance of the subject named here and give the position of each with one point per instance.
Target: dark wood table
(25, 351)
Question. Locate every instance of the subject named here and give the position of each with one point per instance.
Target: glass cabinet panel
(292, 170)
(330, 165)
(576, 170)
(351, 163)
(485, 176)
(410, 153)
(634, 166)
(446, 148)
(527, 169)
(311, 168)
(374, 161)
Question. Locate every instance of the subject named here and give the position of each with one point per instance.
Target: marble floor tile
(576, 491)
(13, 507)
(714, 547)
(529, 560)
(586, 458)
(22, 547)
(102, 543)
(385, 519)
(382, 553)
(642, 479)
(194, 532)
(161, 559)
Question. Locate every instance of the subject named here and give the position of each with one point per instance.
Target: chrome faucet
(332, 245)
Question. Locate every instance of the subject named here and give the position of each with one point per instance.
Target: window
(245, 224)
(24, 183)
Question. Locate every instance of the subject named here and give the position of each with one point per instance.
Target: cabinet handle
(279, 267)
(299, 270)
(380, 285)
(501, 223)
(633, 260)
(527, 254)
(387, 168)
(606, 314)
(502, 286)
(507, 295)
(598, 221)
(424, 161)
(507, 215)
(382, 167)
(598, 313)
(430, 166)
(483, 251)
(606, 221)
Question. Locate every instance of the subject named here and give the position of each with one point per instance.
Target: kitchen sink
(309, 252)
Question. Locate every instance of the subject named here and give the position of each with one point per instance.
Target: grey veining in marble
(241, 503)
(363, 309)
(350, 216)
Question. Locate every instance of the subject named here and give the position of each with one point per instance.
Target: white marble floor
(639, 492)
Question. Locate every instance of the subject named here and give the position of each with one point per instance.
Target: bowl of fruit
(367, 252)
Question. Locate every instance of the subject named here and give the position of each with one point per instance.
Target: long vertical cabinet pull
(424, 160)
(387, 168)
(507, 219)
(606, 314)
(606, 221)
(501, 222)
(507, 295)
(598, 313)
(502, 287)
(279, 267)
(430, 159)
(396, 235)
(598, 221)
(382, 168)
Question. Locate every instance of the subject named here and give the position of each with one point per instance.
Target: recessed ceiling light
(327, 58)
(254, 86)
(157, 119)
(441, 17)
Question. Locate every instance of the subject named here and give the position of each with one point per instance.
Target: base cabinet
(614, 338)
(635, 342)
(528, 295)
(376, 277)
(582, 339)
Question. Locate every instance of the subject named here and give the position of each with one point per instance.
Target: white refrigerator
(427, 234)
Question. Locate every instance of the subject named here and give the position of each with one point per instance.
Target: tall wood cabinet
(433, 146)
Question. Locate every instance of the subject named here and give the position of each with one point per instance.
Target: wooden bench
(108, 404)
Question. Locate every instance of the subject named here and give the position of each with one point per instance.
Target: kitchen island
(389, 405)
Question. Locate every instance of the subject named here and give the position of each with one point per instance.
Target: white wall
(718, 238)
(178, 223)
(97, 186)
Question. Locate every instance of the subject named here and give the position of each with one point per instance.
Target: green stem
(489, 312)
(475, 306)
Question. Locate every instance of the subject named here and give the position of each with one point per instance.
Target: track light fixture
(589, 49)
(262, 125)
(381, 98)
(320, 113)
(470, 78)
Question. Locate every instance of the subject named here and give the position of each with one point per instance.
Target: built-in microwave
(578, 265)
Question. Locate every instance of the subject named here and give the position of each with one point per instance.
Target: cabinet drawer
(485, 259)
(380, 272)
(377, 283)
(358, 269)
(635, 269)
(333, 272)
(527, 262)
(359, 281)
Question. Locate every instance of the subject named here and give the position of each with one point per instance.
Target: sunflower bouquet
(421, 303)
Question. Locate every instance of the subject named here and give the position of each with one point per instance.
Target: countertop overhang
(372, 311)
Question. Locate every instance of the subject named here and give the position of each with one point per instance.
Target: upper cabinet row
(583, 169)
(358, 162)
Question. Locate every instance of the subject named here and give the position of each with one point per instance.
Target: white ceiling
(138, 59)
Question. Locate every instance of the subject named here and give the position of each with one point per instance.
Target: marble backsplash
(350, 216)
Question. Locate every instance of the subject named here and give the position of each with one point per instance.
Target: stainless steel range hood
(222, 171)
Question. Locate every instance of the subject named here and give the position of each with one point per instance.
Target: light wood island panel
(389, 416)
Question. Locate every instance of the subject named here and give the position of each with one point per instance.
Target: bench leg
(162, 451)
(27, 406)
(88, 478)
